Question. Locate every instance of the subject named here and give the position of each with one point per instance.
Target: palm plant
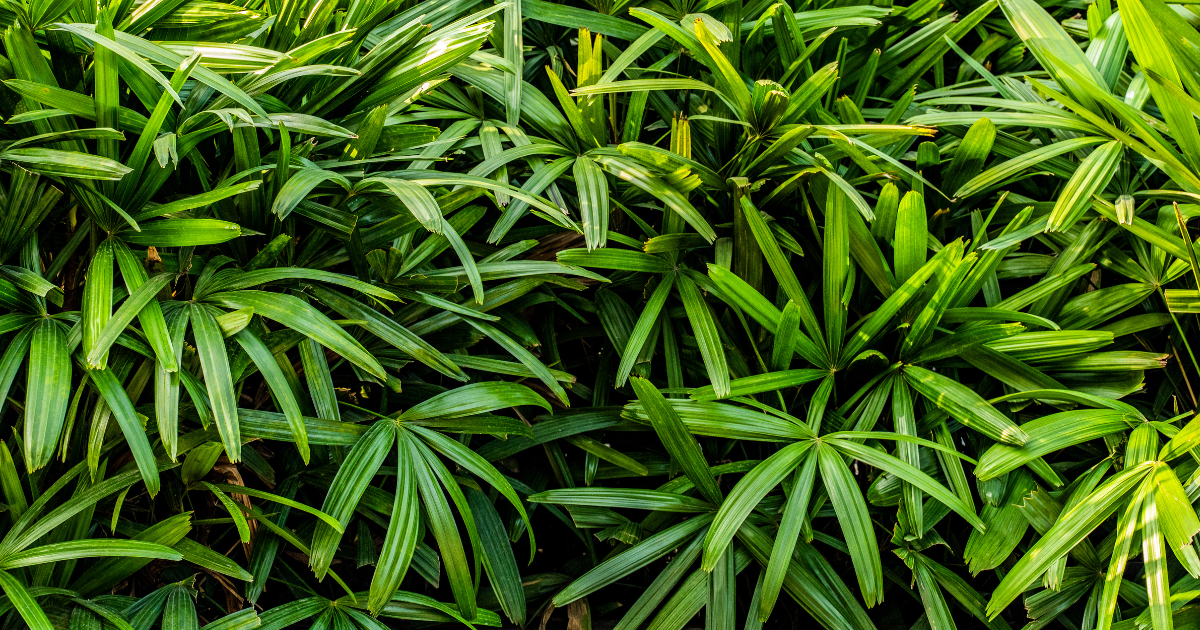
(724, 301)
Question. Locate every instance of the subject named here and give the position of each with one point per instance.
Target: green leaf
(911, 233)
(905, 422)
(936, 609)
(129, 309)
(74, 103)
(233, 281)
(632, 559)
(1092, 176)
(180, 610)
(281, 389)
(573, 17)
(643, 85)
(389, 331)
(166, 385)
(1006, 526)
(274, 498)
(642, 330)
(794, 517)
(707, 337)
(200, 461)
(274, 426)
(812, 582)
(623, 498)
(126, 54)
(1050, 44)
(131, 425)
(634, 173)
(1158, 589)
(971, 155)
(210, 346)
(913, 286)
(57, 552)
(1071, 527)
(619, 259)
(154, 325)
(298, 315)
(854, 521)
(1050, 434)
(780, 265)
(1127, 526)
(235, 512)
(403, 534)
(183, 233)
(1001, 172)
(592, 185)
(746, 495)
(910, 474)
(347, 489)
(300, 184)
(498, 559)
(319, 380)
(163, 56)
(97, 300)
(731, 84)
(611, 455)
(47, 392)
(445, 530)
(767, 382)
(1151, 48)
(964, 405)
(680, 444)
(473, 399)
(26, 606)
(476, 464)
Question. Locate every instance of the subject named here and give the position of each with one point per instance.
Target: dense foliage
(360, 314)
